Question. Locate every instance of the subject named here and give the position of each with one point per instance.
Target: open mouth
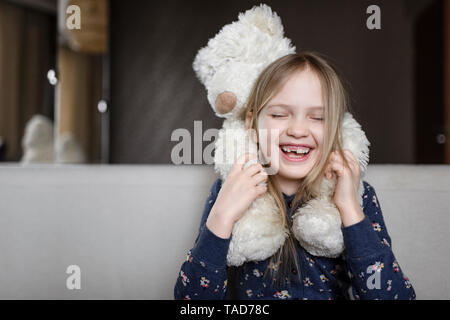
(294, 153)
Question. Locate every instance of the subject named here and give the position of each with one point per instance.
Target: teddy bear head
(230, 63)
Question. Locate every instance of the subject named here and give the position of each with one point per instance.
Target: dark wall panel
(154, 89)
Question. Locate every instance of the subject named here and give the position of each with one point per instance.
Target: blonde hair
(336, 101)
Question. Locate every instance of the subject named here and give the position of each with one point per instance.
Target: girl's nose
(297, 128)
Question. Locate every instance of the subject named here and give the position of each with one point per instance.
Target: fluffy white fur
(235, 57)
(232, 142)
(258, 234)
(231, 62)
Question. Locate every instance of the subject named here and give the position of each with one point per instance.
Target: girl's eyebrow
(290, 106)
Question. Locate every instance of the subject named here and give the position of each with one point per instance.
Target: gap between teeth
(296, 151)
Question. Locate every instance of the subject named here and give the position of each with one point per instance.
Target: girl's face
(295, 115)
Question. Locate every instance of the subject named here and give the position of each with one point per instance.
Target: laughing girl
(302, 97)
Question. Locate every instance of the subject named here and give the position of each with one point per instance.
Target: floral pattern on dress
(395, 266)
(184, 278)
(375, 201)
(377, 266)
(189, 257)
(307, 282)
(389, 285)
(321, 277)
(204, 282)
(376, 226)
(311, 261)
(282, 295)
(335, 270)
(407, 283)
(257, 273)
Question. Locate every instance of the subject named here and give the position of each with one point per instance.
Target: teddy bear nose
(225, 102)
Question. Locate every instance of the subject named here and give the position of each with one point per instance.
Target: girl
(302, 97)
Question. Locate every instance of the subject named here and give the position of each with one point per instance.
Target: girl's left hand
(347, 185)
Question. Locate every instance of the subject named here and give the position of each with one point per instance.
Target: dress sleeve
(203, 275)
(373, 270)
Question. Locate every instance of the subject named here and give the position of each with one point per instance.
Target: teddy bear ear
(264, 19)
(202, 66)
(225, 102)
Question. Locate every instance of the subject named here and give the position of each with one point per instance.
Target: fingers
(333, 161)
(336, 156)
(254, 172)
(336, 163)
(242, 160)
(253, 169)
(352, 161)
(260, 190)
(259, 177)
(335, 166)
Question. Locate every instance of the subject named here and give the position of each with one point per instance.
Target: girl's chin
(293, 172)
(288, 174)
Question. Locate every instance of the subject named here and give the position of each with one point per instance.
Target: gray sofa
(129, 227)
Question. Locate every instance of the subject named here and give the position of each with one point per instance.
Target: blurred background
(114, 90)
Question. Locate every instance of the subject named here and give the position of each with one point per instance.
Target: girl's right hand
(238, 192)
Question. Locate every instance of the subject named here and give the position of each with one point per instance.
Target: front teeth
(297, 151)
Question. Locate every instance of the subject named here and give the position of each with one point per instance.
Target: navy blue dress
(367, 269)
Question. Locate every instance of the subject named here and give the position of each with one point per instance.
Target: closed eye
(277, 115)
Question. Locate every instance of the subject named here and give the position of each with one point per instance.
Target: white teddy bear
(228, 67)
